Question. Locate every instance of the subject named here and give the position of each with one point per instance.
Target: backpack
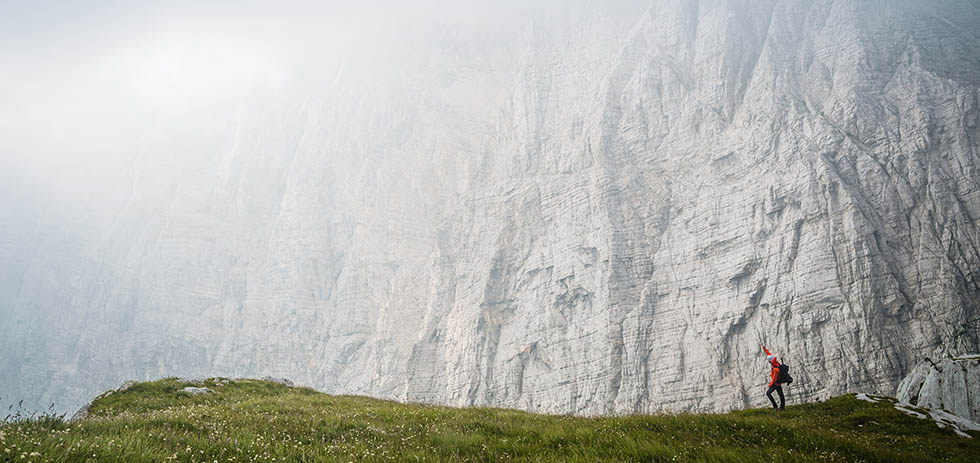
(784, 377)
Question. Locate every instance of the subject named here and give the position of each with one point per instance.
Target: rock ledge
(951, 384)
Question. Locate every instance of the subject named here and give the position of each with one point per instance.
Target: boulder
(197, 390)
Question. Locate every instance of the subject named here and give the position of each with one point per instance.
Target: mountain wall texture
(607, 211)
(952, 384)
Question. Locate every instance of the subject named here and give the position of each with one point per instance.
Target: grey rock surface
(606, 212)
(197, 390)
(283, 381)
(82, 412)
(191, 380)
(952, 384)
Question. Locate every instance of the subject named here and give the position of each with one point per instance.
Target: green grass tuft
(250, 420)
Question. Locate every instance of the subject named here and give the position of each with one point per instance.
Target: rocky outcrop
(952, 384)
(283, 381)
(942, 418)
(606, 212)
(196, 390)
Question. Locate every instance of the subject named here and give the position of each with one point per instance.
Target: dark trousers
(779, 390)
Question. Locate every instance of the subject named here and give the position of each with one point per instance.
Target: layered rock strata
(952, 384)
(608, 215)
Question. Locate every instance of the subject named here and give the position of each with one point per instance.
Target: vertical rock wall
(952, 384)
(606, 212)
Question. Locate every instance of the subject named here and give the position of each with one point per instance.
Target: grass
(252, 421)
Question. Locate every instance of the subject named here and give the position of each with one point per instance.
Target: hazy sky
(85, 84)
(109, 108)
(80, 79)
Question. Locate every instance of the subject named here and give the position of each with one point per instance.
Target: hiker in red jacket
(774, 383)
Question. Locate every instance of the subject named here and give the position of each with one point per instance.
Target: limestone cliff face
(952, 384)
(792, 172)
(609, 214)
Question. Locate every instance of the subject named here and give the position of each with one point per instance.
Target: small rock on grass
(197, 390)
(190, 380)
(282, 381)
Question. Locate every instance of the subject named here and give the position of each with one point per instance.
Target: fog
(564, 206)
(92, 94)
(82, 84)
(163, 165)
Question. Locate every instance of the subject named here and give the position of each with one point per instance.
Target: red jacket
(775, 368)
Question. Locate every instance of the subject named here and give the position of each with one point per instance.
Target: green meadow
(261, 421)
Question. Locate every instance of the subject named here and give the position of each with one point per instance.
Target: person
(774, 384)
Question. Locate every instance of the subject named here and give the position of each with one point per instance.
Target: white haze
(89, 91)
(576, 206)
(89, 88)
(84, 82)
(102, 99)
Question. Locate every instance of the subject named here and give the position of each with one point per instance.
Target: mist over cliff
(585, 207)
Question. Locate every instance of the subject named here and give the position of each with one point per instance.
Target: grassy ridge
(249, 420)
